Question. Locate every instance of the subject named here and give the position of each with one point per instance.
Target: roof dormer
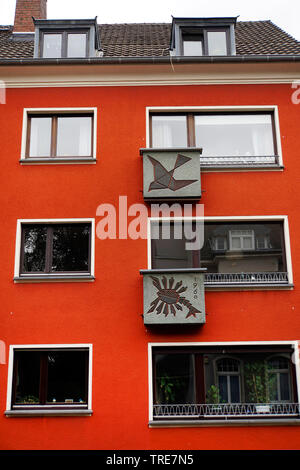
(203, 37)
(56, 39)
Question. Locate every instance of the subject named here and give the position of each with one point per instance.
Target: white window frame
(293, 343)
(57, 160)
(266, 218)
(40, 277)
(241, 237)
(213, 109)
(42, 411)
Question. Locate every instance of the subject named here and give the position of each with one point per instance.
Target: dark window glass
(27, 371)
(202, 375)
(34, 248)
(56, 248)
(56, 377)
(174, 378)
(70, 248)
(76, 45)
(67, 377)
(239, 252)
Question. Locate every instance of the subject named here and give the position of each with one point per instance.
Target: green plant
(259, 381)
(29, 399)
(213, 395)
(168, 388)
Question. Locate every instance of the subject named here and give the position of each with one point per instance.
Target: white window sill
(57, 161)
(32, 413)
(54, 278)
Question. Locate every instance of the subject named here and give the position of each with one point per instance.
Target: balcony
(198, 382)
(171, 174)
(173, 296)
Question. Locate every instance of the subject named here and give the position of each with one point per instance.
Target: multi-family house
(149, 234)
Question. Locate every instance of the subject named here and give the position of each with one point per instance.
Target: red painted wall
(107, 312)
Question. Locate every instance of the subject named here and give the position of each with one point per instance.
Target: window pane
(235, 389)
(192, 48)
(34, 247)
(172, 252)
(28, 377)
(40, 137)
(71, 247)
(169, 131)
(284, 386)
(52, 46)
(235, 135)
(76, 45)
(67, 377)
(217, 43)
(74, 136)
(174, 379)
(223, 387)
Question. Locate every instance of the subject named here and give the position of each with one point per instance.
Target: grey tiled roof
(153, 40)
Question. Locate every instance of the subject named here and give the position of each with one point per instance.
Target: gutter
(154, 60)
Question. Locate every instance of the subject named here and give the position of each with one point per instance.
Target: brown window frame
(190, 123)
(53, 145)
(64, 41)
(43, 380)
(48, 249)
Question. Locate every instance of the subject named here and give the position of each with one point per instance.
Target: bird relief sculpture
(164, 179)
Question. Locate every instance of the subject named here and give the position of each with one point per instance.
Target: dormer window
(202, 37)
(60, 39)
(64, 44)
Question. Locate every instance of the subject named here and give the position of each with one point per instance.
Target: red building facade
(81, 366)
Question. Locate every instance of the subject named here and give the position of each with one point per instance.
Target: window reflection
(236, 247)
(56, 248)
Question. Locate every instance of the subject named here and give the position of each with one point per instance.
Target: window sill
(54, 278)
(225, 422)
(57, 161)
(32, 413)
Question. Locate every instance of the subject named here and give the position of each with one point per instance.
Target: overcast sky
(284, 13)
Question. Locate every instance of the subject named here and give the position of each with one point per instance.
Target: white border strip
(206, 109)
(52, 221)
(259, 218)
(293, 343)
(50, 111)
(14, 347)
